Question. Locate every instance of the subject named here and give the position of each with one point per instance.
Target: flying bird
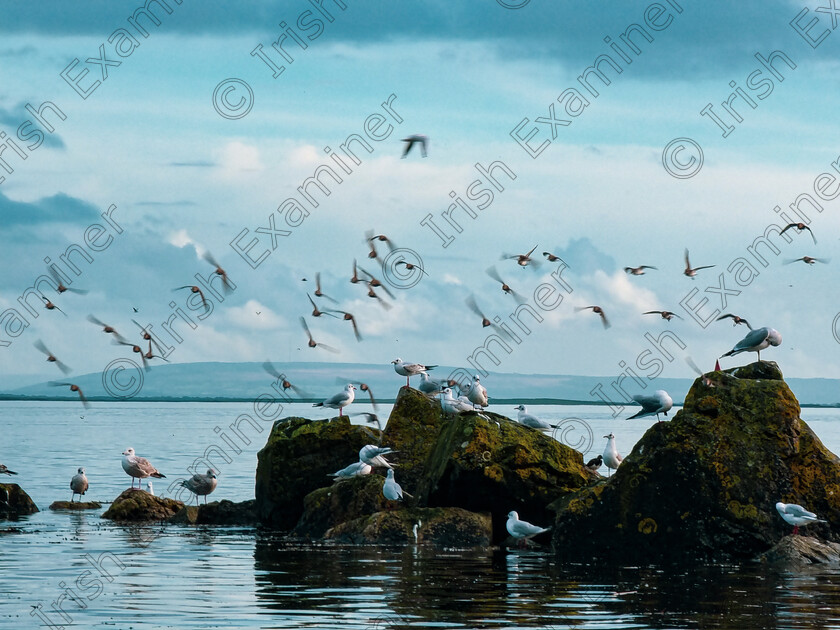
(355, 278)
(50, 306)
(667, 315)
(201, 485)
(61, 288)
(136, 349)
(796, 515)
(73, 388)
(491, 271)
(612, 459)
(51, 358)
(318, 292)
(149, 355)
(736, 320)
(339, 401)
(551, 257)
(375, 282)
(315, 311)
(312, 343)
(138, 467)
(522, 259)
(756, 341)
(195, 289)
(147, 336)
(809, 260)
(470, 301)
(348, 317)
(410, 266)
(658, 402)
(691, 272)
(799, 227)
(78, 484)
(105, 327)
(415, 139)
(219, 271)
(598, 310)
(269, 367)
(370, 237)
(638, 271)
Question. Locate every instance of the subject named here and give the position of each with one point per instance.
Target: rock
(443, 527)
(297, 459)
(140, 506)
(75, 505)
(14, 502)
(226, 512)
(704, 485)
(343, 501)
(802, 550)
(187, 515)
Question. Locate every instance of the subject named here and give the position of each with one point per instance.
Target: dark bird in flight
(105, 327)
(268, 366)
(411, 266)
(691, 272)
(316, 312)
(491, 271)
(219, 271)
(664, 314)
(318, 292)
(551, 257)
(50, 356)
(471, 303)
(415, 139)
(349, 318)
(73, 388)
(598, 310)
(638, 271)
(799, 227)
(61, 288)
(522, 259)
(312, 343)
(735, 320)
(195, 289)
(50, 306)
(808, 260)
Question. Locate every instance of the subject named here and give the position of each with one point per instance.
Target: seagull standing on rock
(353, 470)
(611, 457)
(79, 484)
(532, 421)
(373, 456)
(595, 463)
(201, 485)
(796, 515)
(477, 394)
(138, 467)
(391, 490)
(429, 385)
(451, 404)
(409, 369)
(756, 341)
(340, 400)
(522, 530)
(659, 402)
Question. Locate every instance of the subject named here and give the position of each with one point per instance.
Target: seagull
(595, 464)
(470, 301)
(522, 530)
(79, 484)
(391, 489)
(522, 259)
(410, 266)
(318, 292)
(105, 327)
(312, 343)
(150, 488)
(691, 272)
(60, 285)
(638, 271)
(595, 309)
(353, 470)
(491, 271)
(340, 400)
(666, 315)
(370, 236)
(415, 139)
(736, 320)
(201, 484)
(611, 457)
(800, 227)
(808, 260)
(138, 467)
(73, 388)
(551, 257)
(219, 271)
(50, 356)
(409, 369)
(796, 515)
(195, 289)
(348, 317)
(147, 336)
(449, 404)
(706, 380)
(315, 311)
(6, 471)
(756, 341)
(477, 394)
(50, 306)
(372, 455)
(659, 402)
(428, 385)
(532, 421)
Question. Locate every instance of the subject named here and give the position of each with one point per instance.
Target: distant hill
(238, 381)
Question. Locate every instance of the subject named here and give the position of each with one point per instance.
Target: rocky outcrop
(797, 551)
(297, 459)
(704, 485)
(75, 505)
(443, 527)
(342, 501)
(222, 512)
(14, 502)
(135, 505)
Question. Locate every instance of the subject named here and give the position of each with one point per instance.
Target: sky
(188, 142)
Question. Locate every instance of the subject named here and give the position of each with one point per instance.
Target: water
(202, 577)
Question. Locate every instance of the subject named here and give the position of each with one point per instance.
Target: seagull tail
(638, 414)
(158, 475)
(317, 404)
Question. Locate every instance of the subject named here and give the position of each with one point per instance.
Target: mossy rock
(443, 527)
(135, 505)
(222, 512)
(298, 458)
(75, 505)
(342, 501)
(793, 552)
(705, 484)
(14, 502)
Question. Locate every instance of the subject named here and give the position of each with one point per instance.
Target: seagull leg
(795, 530)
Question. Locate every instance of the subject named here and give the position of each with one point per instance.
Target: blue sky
(185, 179)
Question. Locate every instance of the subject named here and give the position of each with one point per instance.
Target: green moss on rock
(135, 505)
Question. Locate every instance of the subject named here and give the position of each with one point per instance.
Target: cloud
(195, 164)
(58, 208)
(182, 202)
(181, 239)
(236, 157)
(17, 115)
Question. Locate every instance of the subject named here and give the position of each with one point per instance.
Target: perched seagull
(79, 484)
(808, 260)
(638, 271)
(138, 467)
(150, 488)
(666, 315)
(756, 341)
(611, 457)
(736, 320)
(340, 400)
(800, 227)
(391, 489)
(373, 456)
(449, 404)
(428, 385)
(659, 402)
(522, 259)
(691, 272)
(522, 530)
(353, 470)
(598, 310)
(201, 484)
(477, 394)
(532, 421)
(409, 369)
(796, 515)
(595, 464)
(6, 471)
(415, 139)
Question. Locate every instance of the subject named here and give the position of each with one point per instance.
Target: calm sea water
(201, 577)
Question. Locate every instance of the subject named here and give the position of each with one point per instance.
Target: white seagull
(409, 369)
(373, 456)
(391, 489)
(353, 470)
(150, 488)
(522, 530)
(454, 405)
(477, 393)
(532, 421)
(796, 515)
(79, 484)
(612, 459)
(201, 485)
(428, 385)
(756, 341)
(138, 467)
(659, 402)
(340, 400)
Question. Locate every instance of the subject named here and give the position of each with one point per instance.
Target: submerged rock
(443, 527)
(802, 550)
(297, 459)
(14, 502)
(705, 484)
(139, 506)
(222, 512)
(75, 505)
(342, 501)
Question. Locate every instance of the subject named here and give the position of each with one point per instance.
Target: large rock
(342, 501)
(135, 505)
(443, 527)
(222, 512)
(297, 459)
(75, 505)
(798, 551)
(704, 485)
(14, 502)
